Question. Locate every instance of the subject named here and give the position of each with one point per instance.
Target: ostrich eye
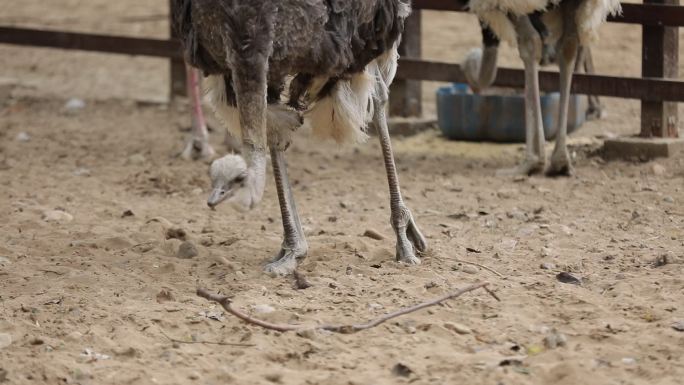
(240, 179)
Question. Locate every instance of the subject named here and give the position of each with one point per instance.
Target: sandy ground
(94, 296)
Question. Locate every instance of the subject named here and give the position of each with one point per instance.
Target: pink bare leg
(198, 146)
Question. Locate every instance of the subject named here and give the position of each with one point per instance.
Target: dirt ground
(91, 292)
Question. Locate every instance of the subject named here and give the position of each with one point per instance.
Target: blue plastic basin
(499, 118)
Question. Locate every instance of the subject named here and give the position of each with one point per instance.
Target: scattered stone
(187, 250)
(332, 219)
(658, 169)
(662, 260)
(517, 214)
(458, 328)
(565, 277)
(372, 234)
(546, 252)
(5, 261)
(401, 370)
(92, 356)
(507, 193)
(74, 105)
(23, 137)
(57, 216)
(345, 205)
(301, 283)
(263, 309)
(5, 340)
(165, 296)
(36, 341)
(470, 269)
(547, 266)
(555, 339)
(678, 326)
(74, 336)
(137, 159)
(127, 213)
(473, 250)
(629, 361)
(81, 172)
(668, 199)
(176, 233)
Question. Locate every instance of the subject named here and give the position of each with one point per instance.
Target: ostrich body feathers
(323, 57)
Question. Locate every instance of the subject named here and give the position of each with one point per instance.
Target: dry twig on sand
(342, 329)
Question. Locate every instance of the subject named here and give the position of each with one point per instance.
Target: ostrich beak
(217, 196)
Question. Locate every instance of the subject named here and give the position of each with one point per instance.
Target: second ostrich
(275, 65)
(536, 24)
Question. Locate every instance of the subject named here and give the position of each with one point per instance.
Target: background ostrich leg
(294, 245)
(529, 46)
(585, 63)
(409, 237)
(567, 55)
(198, 146)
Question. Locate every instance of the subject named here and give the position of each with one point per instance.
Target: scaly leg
(409, 237)
(529, 45)
(294, 246)
(568, 48)
(198, 146)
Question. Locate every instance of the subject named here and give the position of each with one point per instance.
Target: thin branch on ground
(480, 266)
(204, 342)
(342, 329)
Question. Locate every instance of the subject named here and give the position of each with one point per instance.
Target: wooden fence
(658, 89)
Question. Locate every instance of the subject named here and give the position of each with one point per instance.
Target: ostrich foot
(409, 238)
(531, 165)
(560, 164)
(285, 262)
(197, 149)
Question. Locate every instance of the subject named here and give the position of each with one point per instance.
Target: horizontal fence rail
(645, 14)
(653, 89)
(91, 42)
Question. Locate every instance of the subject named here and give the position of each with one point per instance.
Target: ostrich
(572, 25)
(275, 65)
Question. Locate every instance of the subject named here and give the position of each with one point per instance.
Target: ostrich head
(230, 182)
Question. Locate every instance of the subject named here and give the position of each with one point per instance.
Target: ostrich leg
(294, 245)
(409, 237)
(567, 55)
(585, 62)
(529, 46)
(198, 146)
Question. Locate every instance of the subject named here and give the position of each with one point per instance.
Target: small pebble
(546, 252)
(458, 328)
(23, 137)
(372, 234)
(137, 159)
(74, 104)
(548, 266)
(629, 361)
(565, 277)
(187, 250)
(678, 326)
(263, 309)
(507, 193)
(668, 199)
(81, 172)
(555, 339)
(470, 270)
(5, 340)
(57, 216)
(401, 370)
(659, 170)
(4, 261)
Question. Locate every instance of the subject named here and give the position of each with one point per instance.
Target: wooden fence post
(406, 96)
(660, 59)
(178, 74)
